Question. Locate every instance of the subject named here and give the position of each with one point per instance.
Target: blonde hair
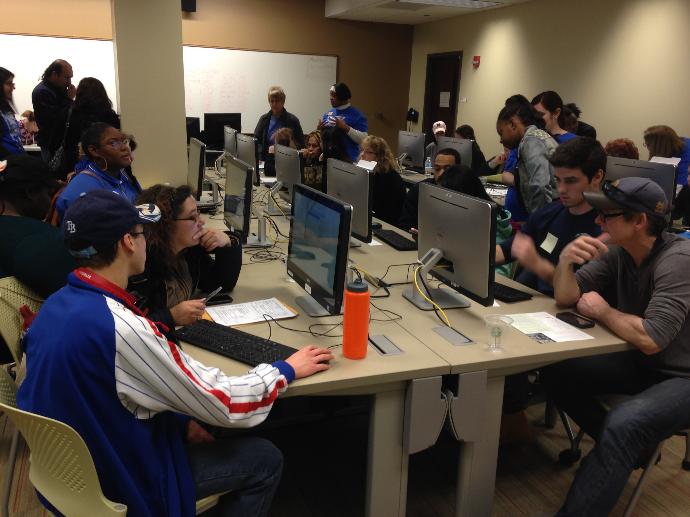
(285, 133)
(385, 161)
(277, 92)
(663, 141)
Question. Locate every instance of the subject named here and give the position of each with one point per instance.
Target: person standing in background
(10, 139)
(271, 122)
(349, 124)
(550, 106)
(50, 97)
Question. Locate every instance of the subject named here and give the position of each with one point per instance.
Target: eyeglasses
(196, 216)
(134, 234)
(608, 216)
(118, 144)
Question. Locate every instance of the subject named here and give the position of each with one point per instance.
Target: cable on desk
(384, 311)
(327, 333)
(436, 306)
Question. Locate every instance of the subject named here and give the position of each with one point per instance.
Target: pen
(212, 294)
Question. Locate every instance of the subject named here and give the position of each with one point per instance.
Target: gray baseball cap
(633, 194)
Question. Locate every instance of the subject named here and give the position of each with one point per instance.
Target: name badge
(549, 243)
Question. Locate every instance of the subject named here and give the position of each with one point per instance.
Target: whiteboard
(216, 80)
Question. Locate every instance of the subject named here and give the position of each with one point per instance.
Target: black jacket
(286, 120)
(408, 219)
(48, 103)
(207, 274)
(389, 196)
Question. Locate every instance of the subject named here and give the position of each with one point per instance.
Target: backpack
(52, 218)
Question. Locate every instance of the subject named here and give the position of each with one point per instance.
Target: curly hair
(622, 148)
(385, 161)
(159, 236)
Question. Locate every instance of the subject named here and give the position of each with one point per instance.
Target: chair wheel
(568, 456)
(686, 465)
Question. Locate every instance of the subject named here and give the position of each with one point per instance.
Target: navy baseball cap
(99, 219)
(633, 194)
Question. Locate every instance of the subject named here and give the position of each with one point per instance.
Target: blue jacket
(10, 139)
(95, 179)
(97, 365)
(682, 178)
(353, 118)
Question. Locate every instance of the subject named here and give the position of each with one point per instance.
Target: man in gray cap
(637, 285)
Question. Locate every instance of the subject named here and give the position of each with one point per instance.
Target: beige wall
(374, 59)
(624, 62)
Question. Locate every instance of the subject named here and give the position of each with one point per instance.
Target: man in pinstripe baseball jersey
(97, 363)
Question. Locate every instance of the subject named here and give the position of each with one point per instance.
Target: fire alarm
(475, 61)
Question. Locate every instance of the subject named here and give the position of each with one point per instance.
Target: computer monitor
(213, 127)
(412, 144)
(353, 185)
(318, 248)
(193, 128)
(457, 245)
(461, 145)
(230, 141)
(288, 169)
(664, 174)
(195, 166)
(248, 152)
(237, 203)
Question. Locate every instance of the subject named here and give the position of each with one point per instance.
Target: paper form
(250, 312)
(544, 328)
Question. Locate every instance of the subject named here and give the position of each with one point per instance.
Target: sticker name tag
(549, 243)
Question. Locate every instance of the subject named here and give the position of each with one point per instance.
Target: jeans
(247, 466)
(626, 435)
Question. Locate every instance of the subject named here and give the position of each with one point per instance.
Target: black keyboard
(397, 241)
(509, 295)
(235, 344)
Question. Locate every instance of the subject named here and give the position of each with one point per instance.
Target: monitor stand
(312, 307)
(445, 298)
(260, 240)
(354, 243)
(272, 208)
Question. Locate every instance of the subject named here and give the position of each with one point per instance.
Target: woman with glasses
(10, 135)
(183, 257)
(107, 157)
(91, 104)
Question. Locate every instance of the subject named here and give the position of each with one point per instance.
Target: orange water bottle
(356, 320)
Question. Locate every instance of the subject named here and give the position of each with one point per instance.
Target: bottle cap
(357, 287)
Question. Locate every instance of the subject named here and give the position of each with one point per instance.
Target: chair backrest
(14, 294)
(62, 469)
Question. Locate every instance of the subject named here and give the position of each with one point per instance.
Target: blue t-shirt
(561, 139)
(273, 126)
(551, 228)
(682, 178)
(353, 118)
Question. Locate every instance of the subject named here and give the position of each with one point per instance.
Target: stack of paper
(250, 312)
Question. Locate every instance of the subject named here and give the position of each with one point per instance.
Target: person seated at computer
(579, 166)
(28, 128)
(271, 122)
(183, 258)
(445, 159)
(312, 162)
(622, 148)
(107, 157)
(389, 189)
(91, 104)
(518, 127)
(573, 124)
(644, 268)
(284, 136)
(350, 124)
(550, 105)
(664, 142)
(479, 164)
(438, 128)
(96, 363)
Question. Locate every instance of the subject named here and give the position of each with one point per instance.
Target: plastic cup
(496, 325)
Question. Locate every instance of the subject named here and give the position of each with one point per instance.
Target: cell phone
(219, 299)
(575, 320)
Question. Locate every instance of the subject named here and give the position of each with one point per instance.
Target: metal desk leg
(478, 457)
(387, 458)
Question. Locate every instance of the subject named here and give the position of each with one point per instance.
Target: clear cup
(496, 325)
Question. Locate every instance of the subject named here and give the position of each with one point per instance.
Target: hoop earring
(105, 168)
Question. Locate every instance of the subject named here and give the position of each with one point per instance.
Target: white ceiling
(409, 12)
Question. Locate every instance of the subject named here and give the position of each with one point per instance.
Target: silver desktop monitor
(230, 140)
(461, 145)
(288, 169)
(457, 245)
(318, 249)
(195, 166)
(248, 152)
(412, 144)
(664, 174)
(353, 185)
(237, 201)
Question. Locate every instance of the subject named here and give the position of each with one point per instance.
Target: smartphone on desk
(575, 320)
(219, 299)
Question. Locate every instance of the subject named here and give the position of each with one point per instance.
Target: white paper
(366, 164)
(661, 159)
(374, 242)
(249, 312)
(444, 100)
(267, 180)
(543, 327)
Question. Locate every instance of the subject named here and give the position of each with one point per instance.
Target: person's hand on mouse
(309, 360)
